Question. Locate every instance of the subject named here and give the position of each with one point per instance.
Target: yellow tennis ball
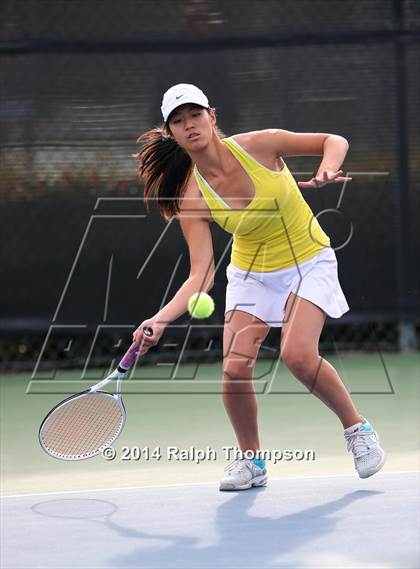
(200, 305)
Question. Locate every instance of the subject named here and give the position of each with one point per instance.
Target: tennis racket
(83, 425)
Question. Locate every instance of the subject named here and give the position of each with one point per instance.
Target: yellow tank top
(277, 229)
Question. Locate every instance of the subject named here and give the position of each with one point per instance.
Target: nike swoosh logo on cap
(179, 96)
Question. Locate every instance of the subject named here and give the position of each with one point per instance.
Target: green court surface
(187, 411)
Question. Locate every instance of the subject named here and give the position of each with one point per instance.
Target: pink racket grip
(131, 354)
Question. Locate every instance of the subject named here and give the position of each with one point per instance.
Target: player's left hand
(323, 178)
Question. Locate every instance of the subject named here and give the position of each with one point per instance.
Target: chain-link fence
(81, 80)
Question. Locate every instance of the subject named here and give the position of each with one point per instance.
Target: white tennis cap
(180, 95)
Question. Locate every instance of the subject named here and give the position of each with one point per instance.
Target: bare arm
(287, 143)
(334, 151)
(196, 230)
(201, 278)
(332, 147)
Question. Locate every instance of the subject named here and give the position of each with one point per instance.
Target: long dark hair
(165, 168)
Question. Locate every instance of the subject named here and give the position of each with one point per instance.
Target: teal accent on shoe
(366, 427)
(259, 462)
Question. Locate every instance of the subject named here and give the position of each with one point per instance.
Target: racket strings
(83, 426)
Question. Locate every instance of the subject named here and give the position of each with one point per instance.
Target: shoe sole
(259, 481)
(374, 470)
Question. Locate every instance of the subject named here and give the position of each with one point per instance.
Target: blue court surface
(330, 521)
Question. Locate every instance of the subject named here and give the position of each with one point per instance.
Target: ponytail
(165, 168)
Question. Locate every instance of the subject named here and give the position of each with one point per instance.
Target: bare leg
(299, 350)
(242, 338)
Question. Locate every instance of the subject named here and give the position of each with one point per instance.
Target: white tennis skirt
(265, 294)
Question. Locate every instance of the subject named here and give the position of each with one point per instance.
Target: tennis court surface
(159, 514)
(337, 521)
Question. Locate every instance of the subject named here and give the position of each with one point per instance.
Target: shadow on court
(318, 522)
(242, 537)
(263, 540)
(248, 540)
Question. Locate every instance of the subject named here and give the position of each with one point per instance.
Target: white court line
(148, 487)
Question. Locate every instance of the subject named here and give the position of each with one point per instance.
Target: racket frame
(118, 375)
(94, 390)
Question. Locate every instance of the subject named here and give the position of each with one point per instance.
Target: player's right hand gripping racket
(83, 425)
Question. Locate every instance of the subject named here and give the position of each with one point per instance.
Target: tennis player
(282, 271)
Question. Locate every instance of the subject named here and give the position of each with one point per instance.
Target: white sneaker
(363, 441)
(242, 474)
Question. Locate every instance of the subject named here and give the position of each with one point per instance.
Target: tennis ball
(200, 305)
